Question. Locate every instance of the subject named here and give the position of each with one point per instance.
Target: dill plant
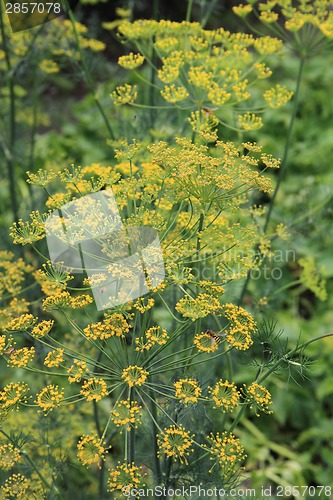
(154, 373)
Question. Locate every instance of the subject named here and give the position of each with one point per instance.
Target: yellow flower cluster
(187, 390)
(124, 94)
(141, 306)
(114, 325)
(131, 61)
(49, 398)
(155, 335)
(22, 323)
(12, 395)
(77, 370)
(242, 326)
(250, 121)
(62, 300)
(94, 389)
(54, 358)
(205, 342)
(91, 450)
(124, 476)
(42, 177)
(277, 96)
(259, 397)
(126, 414)
(16, 486)
(176, 442)
(49, 66)
(226, 449)
(9, 456)
(225, 395)
(21, 357)
(134, 375)
(42, 328)
(12, 275)
(174, 94)
(198, 307)
(206, 67)
(24, 233)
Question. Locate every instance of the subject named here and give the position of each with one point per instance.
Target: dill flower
(42, 177)
(240, 92)
(263, 71)
(205, 342)
(94, 389)
(42, 328)
(267, 45)
(199, 307)
(54, 358)
(218, 96)
(259, 397)
(311, 277)
(174, 94)
(49, 398)
(250, 121)
(81, 301)
(91, 450)
(227, 451)
(13, 394)
(48, 66)
(126, 414)
(59, 300)
(242, 326)
(166, 45)
(124, 94)
(225, 395)
(154, 335)
(175, 442)
(77, 371)
(114, 325)
(21, 357)
(134, 375)
(242, 10)
(24, 233)
(21, 323)
(9, 455)
(124, 476)
(187, 390)
(131, 61)
(277, 96)
(141, 306)
(15, 486)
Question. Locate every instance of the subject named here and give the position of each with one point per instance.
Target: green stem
(12, 122)
(189, 10)
(288, 142)
(86, 71)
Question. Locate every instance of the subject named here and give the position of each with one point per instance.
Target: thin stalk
(12, 121)
(288, 142)
(86, 71)
(189, 10)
